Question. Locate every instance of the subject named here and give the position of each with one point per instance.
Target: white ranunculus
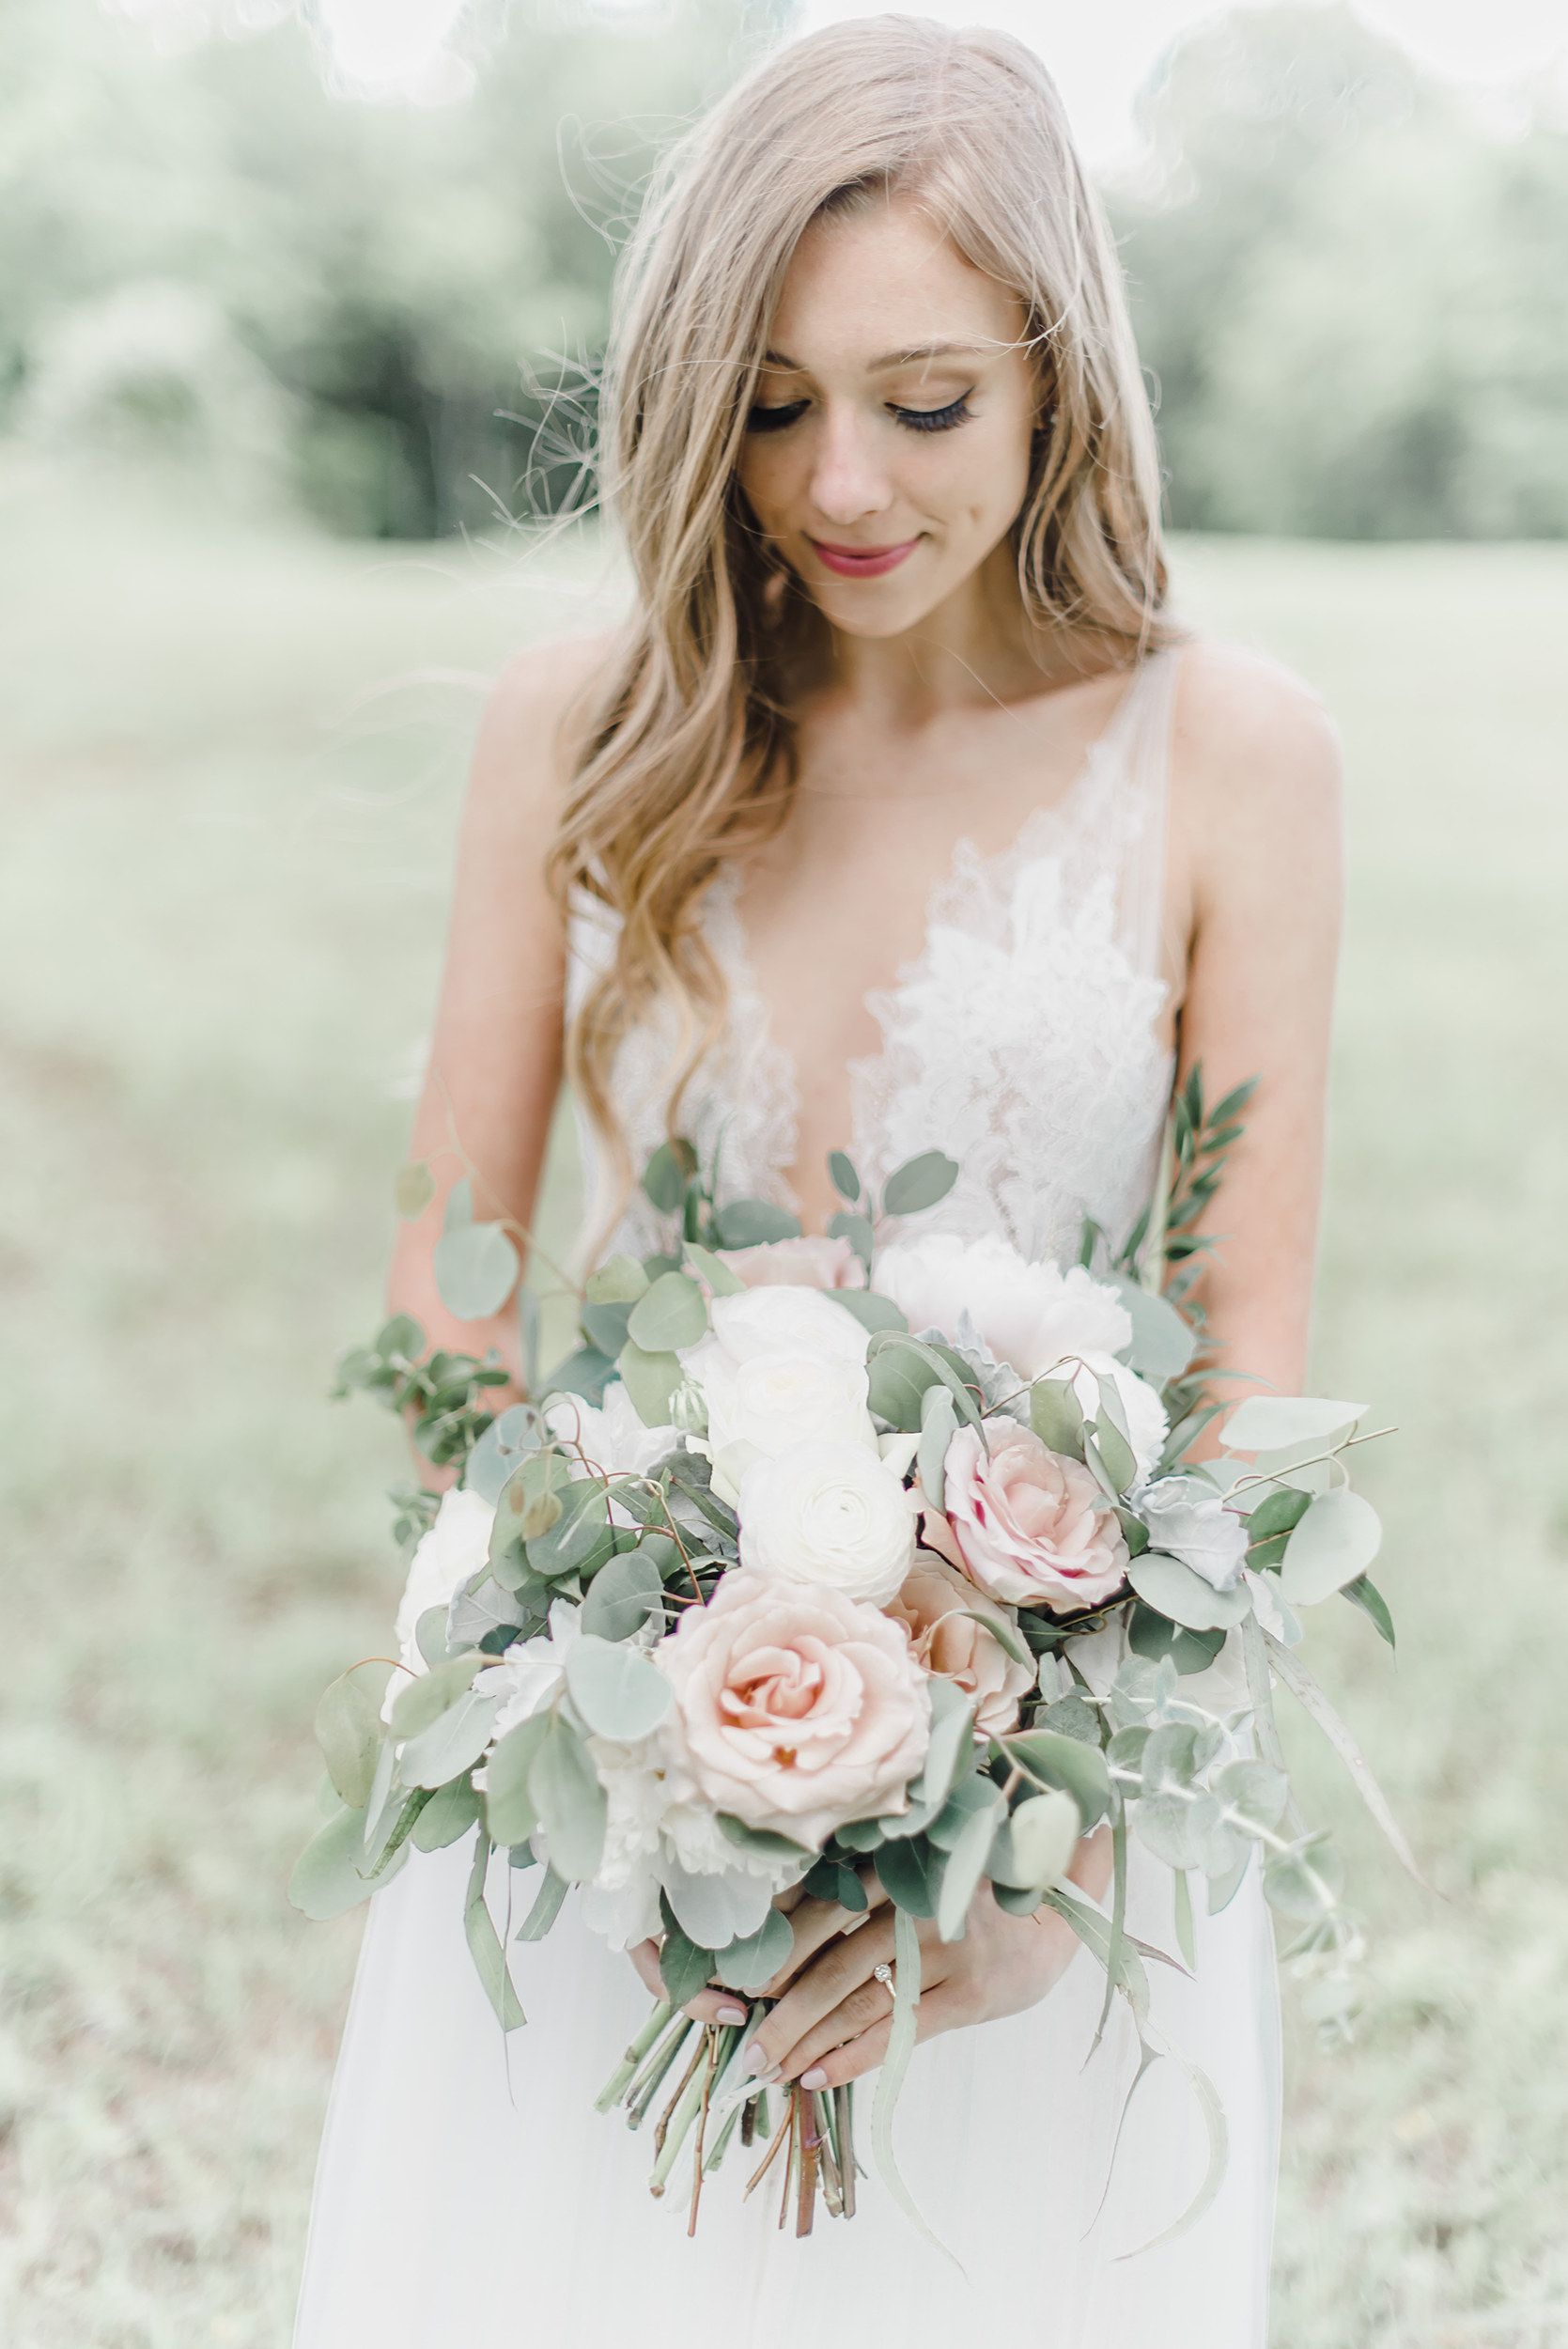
(1188, 1519)
(777, 1367)
(982, 1292)
(455, 1548)
(827, 1512)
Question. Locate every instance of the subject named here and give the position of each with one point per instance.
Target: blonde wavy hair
(685, 754)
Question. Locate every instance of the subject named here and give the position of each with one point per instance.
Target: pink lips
(863, 562)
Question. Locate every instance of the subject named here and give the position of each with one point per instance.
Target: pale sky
(1098, 50)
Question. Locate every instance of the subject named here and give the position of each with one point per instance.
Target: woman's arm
(494, 1065)
(1257, 800)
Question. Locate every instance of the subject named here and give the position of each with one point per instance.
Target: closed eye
(957, 412)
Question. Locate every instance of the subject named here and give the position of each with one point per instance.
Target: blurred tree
(422, 282)
(1353, 297)
(1352, 294)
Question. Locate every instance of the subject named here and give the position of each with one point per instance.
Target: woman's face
(868, 438)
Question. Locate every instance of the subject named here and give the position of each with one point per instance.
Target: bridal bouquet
(884, 1546)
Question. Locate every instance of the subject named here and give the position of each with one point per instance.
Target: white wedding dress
(468, 2196)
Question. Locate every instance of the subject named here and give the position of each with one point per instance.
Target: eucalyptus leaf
(650, 1380)
(348, 1731)
(747, 1964)
(413, 1190)
(966, 1864)
(619, 1281)
(1163, 1342)
(450, 1745)
(1370, 1599)
(450, 1813)
(749, 1223)
(842, 1175)
(951, 1731)
(672, 1314)
(722, 1278)
(1334, 1543)
(918, 1183)
(684, 1969)
(422, 1700)
(619, 1694)
(476, 1269)
(624, 1594)
(570, 1800)
(510, 1813)
(1116, 1451)
(869, 1307)
(327, 1880)
(579, 1530)
(545, 1910)
(939, 1425)
(1266, 1423)
(665, 1177)
(484, 1943)
(1056, 1416)
(910, 1875)
(1078, 1769)
(1174, 1590)
(506, 1442)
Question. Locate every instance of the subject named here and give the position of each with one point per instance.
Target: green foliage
(1351, 290)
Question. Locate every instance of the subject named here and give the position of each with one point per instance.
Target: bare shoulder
(530, 727)
(1241, 714)
(1257, 766)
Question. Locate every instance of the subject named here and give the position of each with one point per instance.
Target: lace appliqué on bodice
(1021, 1038)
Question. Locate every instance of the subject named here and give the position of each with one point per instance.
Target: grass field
(232, 762)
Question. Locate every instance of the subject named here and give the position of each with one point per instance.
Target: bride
(899, 812)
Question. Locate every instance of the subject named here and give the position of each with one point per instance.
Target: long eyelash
(912, 419)
(936, 419)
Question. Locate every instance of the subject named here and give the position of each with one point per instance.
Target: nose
(848, 481)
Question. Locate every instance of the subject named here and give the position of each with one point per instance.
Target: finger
(830, 1977)
(936, 2010)
(815, 1922)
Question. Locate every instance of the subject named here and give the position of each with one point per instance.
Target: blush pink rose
(798, 1708)
(808, 1263)
(949, 1642)
(1026, 1525)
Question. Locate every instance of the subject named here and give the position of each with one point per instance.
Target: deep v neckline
(771, 1065)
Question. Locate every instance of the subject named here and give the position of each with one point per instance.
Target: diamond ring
(884, 1975)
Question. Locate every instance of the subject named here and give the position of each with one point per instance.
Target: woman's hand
(832, 2018)
(715, 2006)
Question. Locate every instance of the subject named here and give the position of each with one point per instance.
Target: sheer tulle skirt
(469, 2197)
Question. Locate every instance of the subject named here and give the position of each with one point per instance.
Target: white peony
(1188, 1519)
(779, 1366)
(662, 1837)
(828, 1512)
(982, 1292)
(611, 1435)
(528, 1675)
(453, 1550)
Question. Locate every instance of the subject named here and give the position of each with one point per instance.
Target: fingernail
(815, 2077)
(755, 2059)
(730, 2014)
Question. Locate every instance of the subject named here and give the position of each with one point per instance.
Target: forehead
(884, 279)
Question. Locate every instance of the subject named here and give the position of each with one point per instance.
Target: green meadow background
(233, 755)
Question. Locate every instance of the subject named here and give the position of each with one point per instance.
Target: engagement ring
(884, 1975)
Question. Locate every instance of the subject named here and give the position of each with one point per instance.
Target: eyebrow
(889, 359)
